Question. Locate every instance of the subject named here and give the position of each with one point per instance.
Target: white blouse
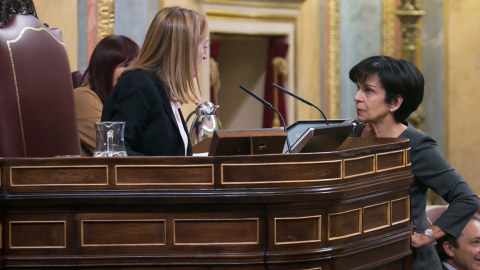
(175, 107)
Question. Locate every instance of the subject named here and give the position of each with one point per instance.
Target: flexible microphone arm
(264, 102)
(301, 99)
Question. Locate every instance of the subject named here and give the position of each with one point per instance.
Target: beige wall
(62, 14)
(309, 59)
(462, 93)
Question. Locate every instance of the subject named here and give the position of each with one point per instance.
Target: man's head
(462, 253)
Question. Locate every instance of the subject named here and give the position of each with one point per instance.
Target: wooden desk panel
(339, 210)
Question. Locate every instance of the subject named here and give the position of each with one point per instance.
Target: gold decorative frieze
(258, 3)
(334, 58)
(105, 18)
(410, 12)
(297, 230)
(228, 231)
(246, 16)
(388, 27)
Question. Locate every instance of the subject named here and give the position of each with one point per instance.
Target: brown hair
(170, 51)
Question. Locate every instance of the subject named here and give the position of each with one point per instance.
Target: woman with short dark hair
(389, 90)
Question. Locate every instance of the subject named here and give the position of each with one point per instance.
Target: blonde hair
(170, 51)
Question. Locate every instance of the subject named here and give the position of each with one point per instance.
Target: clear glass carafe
(109, 139)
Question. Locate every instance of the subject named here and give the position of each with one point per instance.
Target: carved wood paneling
(400, 210)
(41, 234)
(359, 166)
(376, 217)
(164, 175)
(390, 160)
(216, 231)
(296, 230)
(126, 232)
(43, 176)
(269, 173)
(345, 224)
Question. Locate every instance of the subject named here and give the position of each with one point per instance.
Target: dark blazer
(151, 128)
(432, 171)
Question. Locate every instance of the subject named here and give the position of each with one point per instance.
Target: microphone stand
(264, 102)
(301, 99)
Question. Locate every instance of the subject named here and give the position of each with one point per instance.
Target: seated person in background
(109, 58)
(149, 93)
(462, 253)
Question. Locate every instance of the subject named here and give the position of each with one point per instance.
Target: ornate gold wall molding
(388, 27)
(410, 13)
(105, 18)
(334, 57)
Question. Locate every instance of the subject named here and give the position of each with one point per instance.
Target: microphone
(301, 99)
(264, 102)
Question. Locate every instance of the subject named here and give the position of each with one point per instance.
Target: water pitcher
(204, 123)
(109, 139)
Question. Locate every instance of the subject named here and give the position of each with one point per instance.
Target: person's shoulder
(137, 74)
(84, 92)
(417, 137)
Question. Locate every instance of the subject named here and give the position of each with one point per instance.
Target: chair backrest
(77, 78)
(37, 113)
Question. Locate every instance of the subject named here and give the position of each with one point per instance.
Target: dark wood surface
(347, 209)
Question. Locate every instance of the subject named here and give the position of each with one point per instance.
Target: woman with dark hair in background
(109, 58)
(389, 90)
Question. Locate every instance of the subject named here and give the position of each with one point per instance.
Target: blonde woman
(149, 93)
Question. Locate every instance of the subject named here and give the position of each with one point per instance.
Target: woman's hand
(420, 239)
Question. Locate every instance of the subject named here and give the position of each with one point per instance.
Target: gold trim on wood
(347, 235)
(163, 166)
(105, 18)
(15, 75)
(388, 27)
(359, 158)
(56, 167)
(334, 58)
(82, 234)
(222, 166)
(37, 221)
(388, 153)
(217, 243)
(298, 242)
(388, 218)
(407, 161)
(407, 199)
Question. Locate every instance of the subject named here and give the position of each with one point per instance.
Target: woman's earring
(391, 110)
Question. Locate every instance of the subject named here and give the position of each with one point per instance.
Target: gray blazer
(432, 171)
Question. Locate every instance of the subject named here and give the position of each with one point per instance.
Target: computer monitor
(316, 136)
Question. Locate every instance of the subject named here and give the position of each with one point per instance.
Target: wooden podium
(347, 209)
